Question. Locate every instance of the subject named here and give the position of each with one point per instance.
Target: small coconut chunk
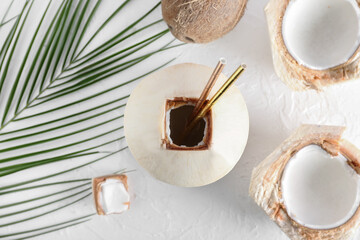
(111, 194)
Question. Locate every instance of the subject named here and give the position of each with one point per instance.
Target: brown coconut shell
(265, 186)
(296, 76)
(96, 187)
(201, 21)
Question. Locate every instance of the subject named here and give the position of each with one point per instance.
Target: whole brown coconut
(202, 21)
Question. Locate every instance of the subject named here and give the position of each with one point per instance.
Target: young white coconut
(314, 42)
(310, 185)
(148, 127)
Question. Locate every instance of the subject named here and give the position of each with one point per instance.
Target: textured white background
(222, 210)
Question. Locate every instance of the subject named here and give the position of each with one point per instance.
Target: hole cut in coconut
(321, 34)
(177, 114)
(319, 191)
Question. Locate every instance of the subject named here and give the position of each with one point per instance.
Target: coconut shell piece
(296, 76)
(265, 184)
(96, 187)
(201, 21)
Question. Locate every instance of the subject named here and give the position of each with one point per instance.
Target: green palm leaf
(3, 21)
(62, 103)
(7, 21)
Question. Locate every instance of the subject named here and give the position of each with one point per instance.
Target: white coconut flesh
(145, 127)
(321, 34)
(319, 191)
(114, 197)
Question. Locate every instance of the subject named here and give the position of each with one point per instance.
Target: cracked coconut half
(310, 185)
(315, 43)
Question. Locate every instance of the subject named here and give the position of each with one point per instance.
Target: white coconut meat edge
(320, 191)
(321, 34)
(114, 197)
(145, 125)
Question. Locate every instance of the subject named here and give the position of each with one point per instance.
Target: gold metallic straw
(210, 84)
(216, 97)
